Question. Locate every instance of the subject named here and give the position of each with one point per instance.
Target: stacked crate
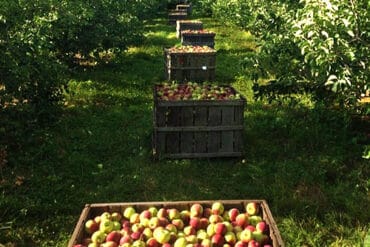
(198, 38)
(187, 25)
(190, 64)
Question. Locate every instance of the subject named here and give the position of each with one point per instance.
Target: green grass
(301, 159)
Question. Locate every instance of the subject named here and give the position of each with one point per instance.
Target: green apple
(246, 235)
(106, 226)
(217, 208)
(128, 212)
(180, 242)
(98, 237)
(230, 238)
(252, 208)
(138, 243)
(153, 211)
(161, 235)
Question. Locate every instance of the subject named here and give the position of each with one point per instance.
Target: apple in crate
(91, 226)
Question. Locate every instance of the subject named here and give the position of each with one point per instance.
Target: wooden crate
(198, 128)
(176, 15)
(92, 210)
(184, 7)
(189, 66)
(187, 25)
(201, 39)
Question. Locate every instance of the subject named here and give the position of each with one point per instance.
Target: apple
(137, 227)
(166, 245)
(128, 212)
(189, 230)
(254, 219)
(262, 226)
(93, 245)
(106, 226)
(253, 243)
(260, 237)
(178, 223)
(109, 244)
(151, 242)
(98, 237)
(126, 231)
(203, 223)
(138, 243)
(116, 216)
(202, 234)
(250, 227)
(125, 239)
(163, 221)
(91, 226)
(215, 218)
(162, 212)
(233, 212)
(153, 223)
(116, 226)
(211, 229)
(135, 218)
(79, 245)
(161, 235)
(206, 242)
(218, 240)
(240, 244)
(171, 228)
(252, 208)
(125, 223)
(195, 222)
(153, 211)
(146, 214)
(105, 216)
(230, 238)
(246, 235)
(241, 220)
(114, 236)
(147, 233)
(196, 210)
(97, 219)
(173, 213)
(185, 216)
(135, 235)
(220, 228)
(180, 242)
(191, 239)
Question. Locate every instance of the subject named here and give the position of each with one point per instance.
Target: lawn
(301, 158)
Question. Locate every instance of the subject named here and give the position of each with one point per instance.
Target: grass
(302, 159)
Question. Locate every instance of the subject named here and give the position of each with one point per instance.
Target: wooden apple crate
(189, 66)
(184, 7)
(92, 210)
(187, 25)
(201, 39)
(198, 128)
(176, 15)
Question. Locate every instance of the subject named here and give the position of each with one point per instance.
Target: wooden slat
(187, 137)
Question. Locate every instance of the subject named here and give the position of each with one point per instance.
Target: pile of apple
(195, 91)
(190, 48)
(203, 31)
(197, 226)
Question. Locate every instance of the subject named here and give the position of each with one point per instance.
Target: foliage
(314, 46)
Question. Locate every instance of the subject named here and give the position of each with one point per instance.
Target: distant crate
(176, 15)
(201, 38)
(187, 25)
(198, 128)
(184, 7)
(92, 210)
(198, 64)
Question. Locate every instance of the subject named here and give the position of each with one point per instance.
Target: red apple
(203, 223)
(151, 242)
(114, 236)
(253, 243)
(220, 228)
(233, 213)
(125, 239)
(217, 240)
(178, 223)
(195, 222)
(241, 220)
